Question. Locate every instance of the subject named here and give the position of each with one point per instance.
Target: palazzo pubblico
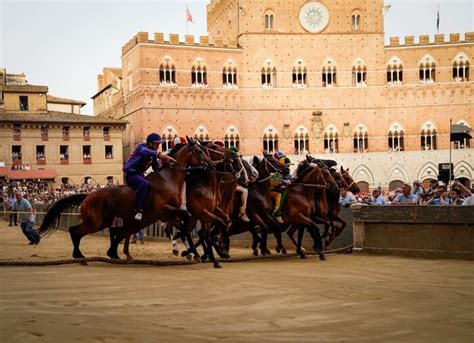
(302, 77)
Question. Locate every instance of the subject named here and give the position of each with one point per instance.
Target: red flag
(189, 17)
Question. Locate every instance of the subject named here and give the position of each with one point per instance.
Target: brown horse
(98, 209)
(352, 185)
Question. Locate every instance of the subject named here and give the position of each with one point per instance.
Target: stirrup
(279, 219)
(139, 216)
(245, 218)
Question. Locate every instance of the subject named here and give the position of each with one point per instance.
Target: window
(201, 133)
(65, 133)
(23, 103)
(301, 141)
(270, 140)
(299, 74)
(231, 138)
(268, 21)
(64, 153)
(461, 68)
(395, 138)
(462, 142)
(199, 74)
(331, 140)
(394, 72)
(229, 74)
(427, 70)
(167, 72)
(86, 133)
(64, 180)
(44, 132)
(359, 74)
(110, 180)
(356, 22)
(40, 154)
(106, 132)
(16, 132)
(329, 74)
(268, 75)
(16, 154)
(109, 152)
(169, 134)
(428, 137)
(86, 153)
(361, 139)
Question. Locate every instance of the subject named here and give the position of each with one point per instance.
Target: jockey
(248, 175)
(144, 156)
(279, 182)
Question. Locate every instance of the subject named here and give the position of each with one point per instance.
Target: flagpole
(187, 21)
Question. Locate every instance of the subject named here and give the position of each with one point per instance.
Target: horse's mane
(302, 169)
(175, 149)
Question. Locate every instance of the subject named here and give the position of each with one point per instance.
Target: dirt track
(354, 298)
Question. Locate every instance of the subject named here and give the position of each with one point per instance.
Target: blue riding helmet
(153, 137)
(279, 155)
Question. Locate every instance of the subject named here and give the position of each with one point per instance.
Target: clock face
(314, 17)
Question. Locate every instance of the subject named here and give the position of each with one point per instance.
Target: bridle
(266, 164)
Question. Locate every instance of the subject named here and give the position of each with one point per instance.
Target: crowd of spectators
(436, 194)
(43, 192)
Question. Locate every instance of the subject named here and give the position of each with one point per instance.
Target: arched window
(229, 74)
(331, 140)
(329, 73)
(359, 73)
(199, 74)
(361, 139)
(201, 133)
(232, 137)
(167, 72)
(269, 21)
(394, 72)
(299, 74)
(461, 68)
(356, 20)
(169, 134)
(462, 142)
(428, 136)
(301, 141)
(395, 138)
(270, 139)
(268, 74)
(427, 70)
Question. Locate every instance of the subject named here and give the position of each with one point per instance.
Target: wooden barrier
(425, 231)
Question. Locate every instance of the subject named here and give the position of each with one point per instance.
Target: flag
(437, 20)
(189, 17)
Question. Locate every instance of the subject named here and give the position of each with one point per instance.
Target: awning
(460, 132)
(33, 174)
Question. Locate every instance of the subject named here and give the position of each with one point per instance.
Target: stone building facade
(58, 146)
(303, 76)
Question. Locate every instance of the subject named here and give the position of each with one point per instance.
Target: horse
(352, 185)
(259, 208)
(298, 208)
(98, 209)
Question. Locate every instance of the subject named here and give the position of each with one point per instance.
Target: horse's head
(272, 165)
(328, 178)
(341, 183)
(193, 155)
(352, 185)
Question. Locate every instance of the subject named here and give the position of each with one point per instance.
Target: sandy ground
(348, 298)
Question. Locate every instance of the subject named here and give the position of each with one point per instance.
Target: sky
(64, 44)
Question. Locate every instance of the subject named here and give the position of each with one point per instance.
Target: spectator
(26, 218)
(456, 199)
(406, 198)
(433, 187)
(469, 201)
(440, 198)
(418, 189)
(12, 217)
(346, 198)
(378, 198)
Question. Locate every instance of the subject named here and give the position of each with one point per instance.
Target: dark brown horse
(98, 209)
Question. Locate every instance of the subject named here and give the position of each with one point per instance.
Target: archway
(364, 186)
(395, 184)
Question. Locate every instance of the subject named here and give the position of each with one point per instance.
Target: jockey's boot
(139, 215)
(277, 215)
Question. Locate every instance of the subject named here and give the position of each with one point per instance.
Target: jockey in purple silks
(144, 156)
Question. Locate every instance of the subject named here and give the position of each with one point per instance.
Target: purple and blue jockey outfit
(139, 161)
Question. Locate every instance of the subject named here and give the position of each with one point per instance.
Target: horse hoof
(322, 257)
(175, 252)
(79, 255)
(184, 253)
(302, 256)
(255, 252)
(217, 265)
(278, 250)
(197, 258)
(303, 250)
(189, 257)
(283, 251)
(265, 252)
(111, 255)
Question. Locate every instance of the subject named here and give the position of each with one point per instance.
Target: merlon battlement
(438, 39)
(174, 39)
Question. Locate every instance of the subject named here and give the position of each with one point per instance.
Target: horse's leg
(222, 215)
(318, 243)
(169, 234)
(126, 247)
(255, 218)
(291, 231)
(115, 239)
(299, 250)
(76, 240)
(255, 241)
(210, 252)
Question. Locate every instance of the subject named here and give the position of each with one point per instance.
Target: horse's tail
(53, 216)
